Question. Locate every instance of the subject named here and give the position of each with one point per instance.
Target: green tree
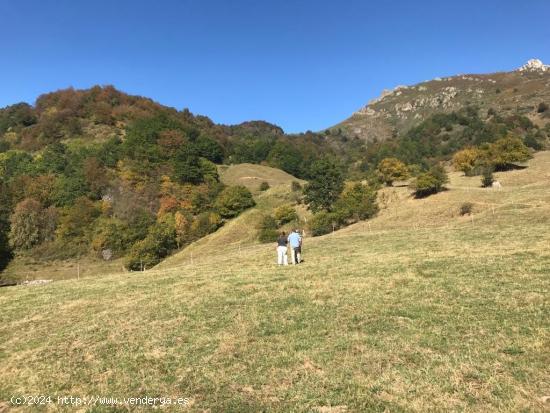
(187, 166)
(430, 182)
(326, 185)
(357, 202)
(159, 242)
(233, 200)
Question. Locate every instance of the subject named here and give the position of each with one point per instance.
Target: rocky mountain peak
(534, 65)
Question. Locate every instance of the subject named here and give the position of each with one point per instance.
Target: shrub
(158, 243)
(466, 208)
(358, 202)
(543, 107)
(533, 141)
(285, 214)
(268, 235)
(323, 223)
(466, 160)
(487, 177)
(507, 151)
(264, 186)
(392, 169)
(430, 182)
(267, 229)
(233, 200)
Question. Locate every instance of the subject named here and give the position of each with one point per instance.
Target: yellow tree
(392, 169)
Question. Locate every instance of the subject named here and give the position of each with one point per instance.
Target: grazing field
(252, 176)
(419, 310)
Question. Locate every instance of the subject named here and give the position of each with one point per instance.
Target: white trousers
(282, 258)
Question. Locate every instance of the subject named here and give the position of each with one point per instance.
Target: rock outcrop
(534, 65)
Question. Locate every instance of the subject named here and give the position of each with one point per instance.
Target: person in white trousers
(282, 258)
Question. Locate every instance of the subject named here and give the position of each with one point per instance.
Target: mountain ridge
(399, 109)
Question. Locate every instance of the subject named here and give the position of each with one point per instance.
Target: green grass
(421, 311)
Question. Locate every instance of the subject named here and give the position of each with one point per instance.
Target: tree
(392, 169)
(467, 159)
(324, 222)
(430, 182)
(357, 202)
(326, 185)
(187, 165)
(75, 225)
(28, 223)
(286, 157)
(507, 151)
(233, 200)
(158, 243)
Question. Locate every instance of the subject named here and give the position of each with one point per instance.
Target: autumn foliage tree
(29, 225)
(392, 169)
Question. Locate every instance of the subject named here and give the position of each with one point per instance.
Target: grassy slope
(422, 310)
(251, 176)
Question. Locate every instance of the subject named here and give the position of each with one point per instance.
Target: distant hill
(396, 111)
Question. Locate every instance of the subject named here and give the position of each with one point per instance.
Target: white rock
(534, 65)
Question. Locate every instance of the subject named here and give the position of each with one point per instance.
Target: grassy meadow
(418, 310)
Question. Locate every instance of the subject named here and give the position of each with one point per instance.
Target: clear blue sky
(300, 64)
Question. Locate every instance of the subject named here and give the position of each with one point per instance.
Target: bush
(466, 208)
(466, 160)
(268, 235)
(267, 229)
(543, 107)
(507, 151)
(324, 222)
(158, 243)
(358, 202)
(285, 214)
(487, 177)
(264, 186)
(234, 200)
(430, 182)
(392, 169)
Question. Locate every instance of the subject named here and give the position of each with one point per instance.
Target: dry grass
(422, 310)
(251, 176)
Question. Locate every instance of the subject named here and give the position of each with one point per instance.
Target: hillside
(419, 310)
(396, 111)
(241, 233)
(252, 176)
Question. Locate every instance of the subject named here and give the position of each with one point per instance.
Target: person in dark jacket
(282, 241)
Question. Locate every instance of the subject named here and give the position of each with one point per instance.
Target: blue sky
(299, 64)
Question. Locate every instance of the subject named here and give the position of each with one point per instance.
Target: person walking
(295, 241)
(282, 258)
